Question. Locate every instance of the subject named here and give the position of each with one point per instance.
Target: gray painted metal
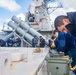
(58, 66)
(20, 31)
(28, 28)
(8, 36)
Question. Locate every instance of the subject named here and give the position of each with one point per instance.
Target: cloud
(69, 4)
(1, 27)
(59, 11)
(53, 4)
(7, 20)
(4, 22)
(10, 5)
(22, 16)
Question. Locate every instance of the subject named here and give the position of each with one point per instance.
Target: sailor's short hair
(59, 20)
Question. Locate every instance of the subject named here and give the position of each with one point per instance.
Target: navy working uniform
(34, 41)
(17, 42)
(72, 28)
(42, 42)
(2, 43)
(66, 43)
(60, 41)
(71, 46)
(10, 42)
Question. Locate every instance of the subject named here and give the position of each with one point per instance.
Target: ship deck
(31, 64)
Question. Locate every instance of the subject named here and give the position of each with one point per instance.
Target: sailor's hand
(53, 45)
(62, 53)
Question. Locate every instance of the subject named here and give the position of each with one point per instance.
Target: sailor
(35, 41)
(64, 42)
(42, 42)
(59, 41)
(2, 43)
(31, 17)
(68, 23)
(10, 42)
(17, 42)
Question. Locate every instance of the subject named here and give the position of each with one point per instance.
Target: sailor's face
(65, 30)
(66, 22)
(35, 37)
(60, 28)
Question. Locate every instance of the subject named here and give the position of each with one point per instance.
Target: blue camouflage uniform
(60, 41)
(66, 43)
(10, 43)
(34, 42)
(17, 42)
(2, 43)
(42, 43)
(72, 28)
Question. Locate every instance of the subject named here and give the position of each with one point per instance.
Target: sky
(8, 8)
(67, 6)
